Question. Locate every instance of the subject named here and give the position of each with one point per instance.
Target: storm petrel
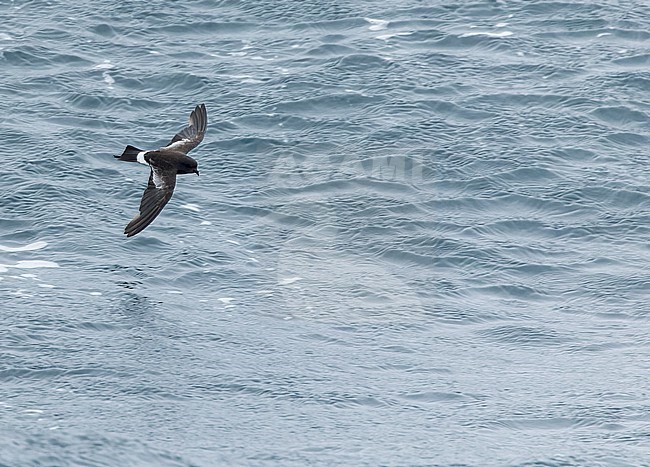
(165, 164)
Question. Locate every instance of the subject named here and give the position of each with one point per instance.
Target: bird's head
(189, 167)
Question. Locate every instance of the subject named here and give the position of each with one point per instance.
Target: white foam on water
(385, 37)
(377, 24)
(191, 207)
(206, 223)
(29, 264)
(225, 300)
(30, 247)
(233, 242)
(106, 65)
(96, 293)
(289, 280)
(46, 286)
(488, 34)
(108, 79)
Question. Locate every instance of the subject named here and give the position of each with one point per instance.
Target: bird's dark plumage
(165, 164)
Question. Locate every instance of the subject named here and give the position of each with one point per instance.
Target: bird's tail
(130, 154)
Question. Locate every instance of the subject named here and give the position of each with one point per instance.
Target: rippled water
(420, 234)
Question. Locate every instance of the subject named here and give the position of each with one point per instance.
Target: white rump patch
(140, 158)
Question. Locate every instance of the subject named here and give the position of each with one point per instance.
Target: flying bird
(165, 164)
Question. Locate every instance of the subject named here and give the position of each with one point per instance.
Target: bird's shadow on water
(132, 303)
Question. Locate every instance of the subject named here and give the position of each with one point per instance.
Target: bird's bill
(196, 171)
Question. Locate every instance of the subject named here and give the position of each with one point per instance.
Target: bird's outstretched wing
(158, 192)
(190, 136)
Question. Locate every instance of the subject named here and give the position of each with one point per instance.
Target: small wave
(377, 24)
(30, 247)
(488, 34)
(191, 207)
(29, 264)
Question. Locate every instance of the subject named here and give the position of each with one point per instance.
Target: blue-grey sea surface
(420, 235)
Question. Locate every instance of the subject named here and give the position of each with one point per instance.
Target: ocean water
(419, 237)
